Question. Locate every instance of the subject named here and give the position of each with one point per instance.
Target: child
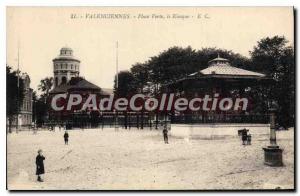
(66, 137)
(39, 161)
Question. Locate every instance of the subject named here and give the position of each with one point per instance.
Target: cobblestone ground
(138, 159)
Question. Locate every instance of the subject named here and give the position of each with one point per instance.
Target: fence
(142, 120)
(220, 118)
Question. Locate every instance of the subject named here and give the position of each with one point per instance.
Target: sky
(142, 32)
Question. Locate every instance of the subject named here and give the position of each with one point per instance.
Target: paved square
(138, 159)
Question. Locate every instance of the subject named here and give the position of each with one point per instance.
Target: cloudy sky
(93, 34)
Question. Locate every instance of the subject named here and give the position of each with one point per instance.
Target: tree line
(272, 56)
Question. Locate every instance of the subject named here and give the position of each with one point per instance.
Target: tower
(65, 66)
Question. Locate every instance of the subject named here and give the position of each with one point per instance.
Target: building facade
(65, 66)
(24, 116)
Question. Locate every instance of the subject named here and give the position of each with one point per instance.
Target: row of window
(65, 66)
(63, 80)
(66, 52)
(26, 105)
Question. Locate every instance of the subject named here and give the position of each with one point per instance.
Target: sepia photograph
(150, 98)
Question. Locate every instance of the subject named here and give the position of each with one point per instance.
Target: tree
(206, 54)
(41, 106)
(14, 95)
(140, 73)
(45, 86)
(172, 64)
(125, 84)
(39, 109)
(177, 63)
(275, 58)
(271, 56)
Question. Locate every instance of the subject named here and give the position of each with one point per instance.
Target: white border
(5, 3)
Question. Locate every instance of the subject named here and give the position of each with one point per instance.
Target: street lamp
(116, 120)
(273, 153)
(33, 106)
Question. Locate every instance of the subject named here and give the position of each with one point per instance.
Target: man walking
(165, 133)
(244, 136)
(66, 137)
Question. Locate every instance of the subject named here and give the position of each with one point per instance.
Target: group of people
(246, 137)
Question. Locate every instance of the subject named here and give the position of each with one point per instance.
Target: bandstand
(221, 78)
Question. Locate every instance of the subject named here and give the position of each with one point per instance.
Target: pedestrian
(39, 161)
(50, 128)
(165, 133)
(66, 137)
(249, 139)
(244, 136)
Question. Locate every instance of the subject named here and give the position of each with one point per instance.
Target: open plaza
(197, 157)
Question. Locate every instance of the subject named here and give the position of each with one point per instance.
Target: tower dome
(65, 66)
(218, 61)
(66, 51)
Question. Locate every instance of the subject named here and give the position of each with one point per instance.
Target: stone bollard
(273, 153)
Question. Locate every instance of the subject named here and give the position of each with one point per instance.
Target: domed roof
(66, 53)
(66, 48)
(221, 66)
(218, 59)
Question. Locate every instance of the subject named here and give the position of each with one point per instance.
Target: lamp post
(273, 142)
(117, 84)
(273, 153)
(33, 106)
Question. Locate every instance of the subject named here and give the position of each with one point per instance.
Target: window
(71, 66)
(56, 81)
(63, 80)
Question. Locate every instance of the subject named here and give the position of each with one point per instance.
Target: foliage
(273, 57)
(270, 56)
(141, 76)
(45, 86)
(125, 84)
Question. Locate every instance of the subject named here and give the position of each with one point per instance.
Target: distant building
(65, 67)
(67, 80)
(25, 112)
